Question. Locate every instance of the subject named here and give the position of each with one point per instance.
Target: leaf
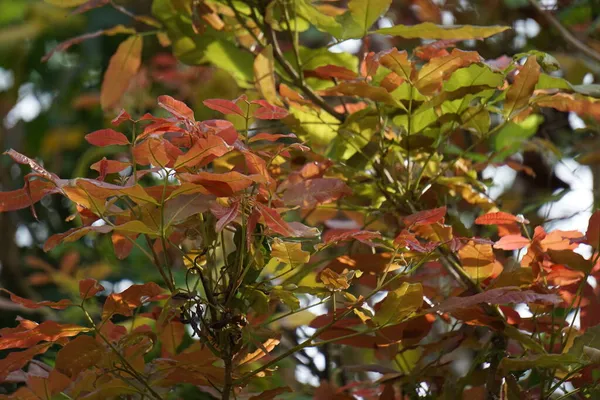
(176, 108)
(362, 15)
(398, 62)
(46, 388)
(290, 253)
(202, 152)
(432, 75)
(511, 137)
(503, 295)
(520, 92)
(47, 331)
(593, 231)
(73, 235)
(564, 362)
(365, 237)
(124, 303)
(512, 242)
(312, 192)
(334, 72)
(57, 305)
(123, 66)
(226, 107)
(18, 359)
(225, 215)
(66, 3)
(333, 281)
(135, 226)
(477, 260)
(426, 217)
(274, 221)
(571, 259)
(89, 5)
(264, 75)
(171, 337)
(222, 185)
(565, 102)
(88, 288)
(106, 137)
(78, 355)
(34, 191)
(497, 218)
(363, 90)
(427, 30)
(105, 166)
(399, 304)
(269, 111)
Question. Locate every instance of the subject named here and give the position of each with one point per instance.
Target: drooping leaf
(264, 75)
(290, 253)
(274, 221)
(399, 304)
(58, 305)
(584, 106)
(427, 30)
(106, 137)
(123, 66)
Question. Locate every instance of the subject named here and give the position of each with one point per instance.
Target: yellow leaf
(123, 66)
(399, 304)
(333, 280)
(264, 75)
(289, 253)
(477, 260)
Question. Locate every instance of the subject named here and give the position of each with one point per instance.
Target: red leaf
(177, 108)
(58, 305)
(106, 137)
(27, 196)
(274, 221)
(88, 288)
(226, 107)
(35, 167)
(122, 117)
(269, 111)
(74, 234)
(222, 185)
(105, 166)
(512, 242)
(225, 215)
(355, 234)
(313, 192)
(426, 217)
(498, 218)
(593, 231)
(504, 295)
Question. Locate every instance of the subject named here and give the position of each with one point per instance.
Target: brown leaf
(78, 355)
(313, 192)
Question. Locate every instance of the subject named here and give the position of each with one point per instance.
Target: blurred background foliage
(46, 108)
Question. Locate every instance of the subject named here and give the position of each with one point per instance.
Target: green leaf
(428, 30)
(399, 304)
(66, 3)
(361, 15)
(319, 128)
(513, 134)
(564, 362)
(353, 135)
(474, 75)
(228, 56)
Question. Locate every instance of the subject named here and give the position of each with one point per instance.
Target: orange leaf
(520, 92)
(334, 72)
(512, 242)
(274, 221)
(426, 217)
(124, 303)
(398, 62)
(477, 260)
(436, 71)
(123, 66)
(47, 331)
(78, 355)
(202, 152)
(18, 359)
(496, 218)
(106, 137)
(176, 108)
(313, 192)
(222, 185)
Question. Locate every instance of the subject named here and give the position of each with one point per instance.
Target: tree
(350, 183)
